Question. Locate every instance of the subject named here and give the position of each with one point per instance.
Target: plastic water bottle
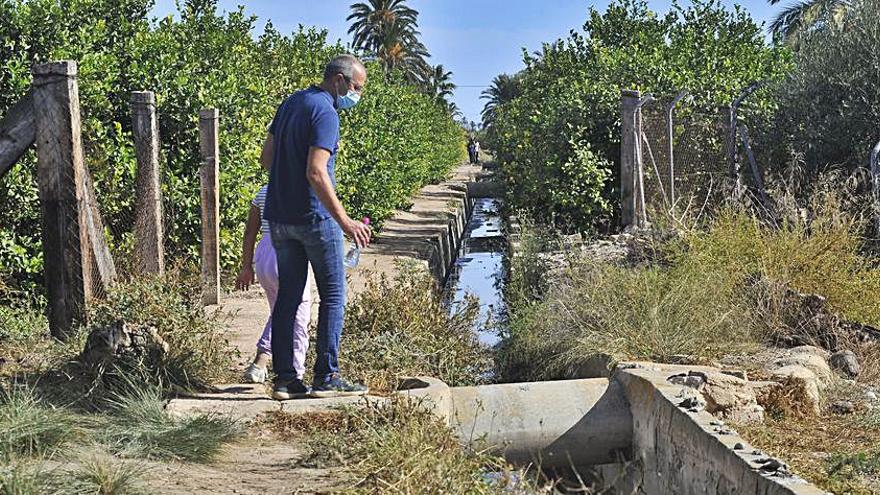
(354, 254)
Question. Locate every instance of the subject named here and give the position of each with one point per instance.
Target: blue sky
(475, 39)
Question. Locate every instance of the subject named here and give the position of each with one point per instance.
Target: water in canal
(479, 268)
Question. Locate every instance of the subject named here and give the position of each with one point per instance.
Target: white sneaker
(256, 374)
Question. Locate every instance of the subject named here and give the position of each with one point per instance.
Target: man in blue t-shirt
(307, 223)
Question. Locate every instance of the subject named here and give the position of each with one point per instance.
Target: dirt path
(255, 466)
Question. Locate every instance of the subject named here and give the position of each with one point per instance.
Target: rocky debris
(769, 465)
(729, 397)
(692, 404)
(741, 374)
(843, 407)
(121, 340)
(807, 363)
(726, 396)
(807, 356)
(612, 250)
(635, 246)
(846, 363)
(688, 380)
(739, 446)
(870, 395)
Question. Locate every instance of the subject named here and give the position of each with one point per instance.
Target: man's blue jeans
(321, 244)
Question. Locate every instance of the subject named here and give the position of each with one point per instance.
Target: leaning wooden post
(60, 179)
(629, 140)
(149, 247)
(209, 120)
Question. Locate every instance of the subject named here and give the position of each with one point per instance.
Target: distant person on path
(476, 151)
(264, 265)
(472, 156)
(307, 222)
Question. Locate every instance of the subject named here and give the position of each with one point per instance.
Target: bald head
(348, 65)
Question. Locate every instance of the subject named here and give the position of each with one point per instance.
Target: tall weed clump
(720, 289)
(820, 255)
(29, 427)
(137, 425)
(402, 327)
(624, 313)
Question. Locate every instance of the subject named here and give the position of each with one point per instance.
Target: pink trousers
(266, 269)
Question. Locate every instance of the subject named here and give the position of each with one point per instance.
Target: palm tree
(387, 30)
(438, 84)
(804, 16)
(504, 88)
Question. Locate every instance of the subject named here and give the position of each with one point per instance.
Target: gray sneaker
(290, 389)
(335, 386)
(256, 374)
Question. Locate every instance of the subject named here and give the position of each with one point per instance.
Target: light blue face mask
(348, 100)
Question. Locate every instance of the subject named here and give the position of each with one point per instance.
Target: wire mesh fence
(684, 158)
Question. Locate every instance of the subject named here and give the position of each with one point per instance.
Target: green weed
(137, 426)
(103, 475)
(401, 327)
(29, 427)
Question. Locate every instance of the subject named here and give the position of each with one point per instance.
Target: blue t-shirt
(306, 118)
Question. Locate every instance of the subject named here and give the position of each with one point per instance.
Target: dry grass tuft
(398, 447)
(835, 452)
(291, 426)
(789, 399)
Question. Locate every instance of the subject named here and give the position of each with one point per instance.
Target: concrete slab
(248, 401)
(684, 451)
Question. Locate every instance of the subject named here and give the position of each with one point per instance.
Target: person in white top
(476, 151)
(264, 266)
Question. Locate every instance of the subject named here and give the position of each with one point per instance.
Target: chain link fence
(684, 157)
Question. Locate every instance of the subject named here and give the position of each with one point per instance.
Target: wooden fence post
(209, 120)
(60, 178)
(149, 247)
(629, 140)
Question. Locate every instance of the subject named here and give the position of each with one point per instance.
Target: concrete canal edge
(631, 426)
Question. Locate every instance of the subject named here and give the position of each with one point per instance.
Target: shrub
(199, 352)
(402, 327)
(558, 141)
(830, 103)
(393, 142)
